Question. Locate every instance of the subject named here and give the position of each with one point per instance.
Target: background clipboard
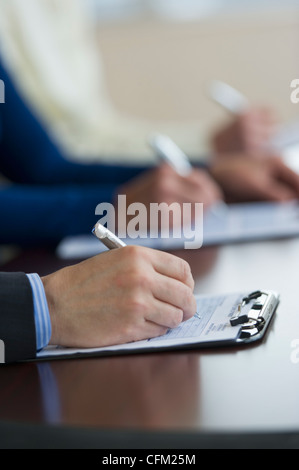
(243, 222)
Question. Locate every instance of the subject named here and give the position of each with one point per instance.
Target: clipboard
(232, 320)
(254, 324)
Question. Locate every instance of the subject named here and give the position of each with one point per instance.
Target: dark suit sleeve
(17, 326)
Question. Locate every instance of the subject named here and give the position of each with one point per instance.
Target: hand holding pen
(164, 184)
(172, 155)
(123, 295)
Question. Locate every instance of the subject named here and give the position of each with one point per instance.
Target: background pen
(228, 97)
(235, 102)
(170, 153)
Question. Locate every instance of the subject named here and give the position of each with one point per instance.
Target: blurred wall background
(167, 51)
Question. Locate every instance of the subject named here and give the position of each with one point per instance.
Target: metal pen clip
(244, 318)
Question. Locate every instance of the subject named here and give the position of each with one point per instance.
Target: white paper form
(243, 222)
(210, 324)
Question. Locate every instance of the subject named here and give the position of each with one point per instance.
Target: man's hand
(123, 295)
(250, 132)
(244, 178)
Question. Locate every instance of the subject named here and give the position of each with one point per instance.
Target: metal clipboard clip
(254, 313)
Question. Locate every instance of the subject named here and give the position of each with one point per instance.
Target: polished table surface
(238, 390)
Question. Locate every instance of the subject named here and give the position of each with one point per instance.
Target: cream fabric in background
(51, 49)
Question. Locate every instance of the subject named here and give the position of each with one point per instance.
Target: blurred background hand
(250, 132)
(164, 185)
(244, 178)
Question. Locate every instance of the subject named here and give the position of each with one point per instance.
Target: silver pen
(228, 97)
(108, 238)
(169, 152)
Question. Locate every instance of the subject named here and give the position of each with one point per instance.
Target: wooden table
(249, 393)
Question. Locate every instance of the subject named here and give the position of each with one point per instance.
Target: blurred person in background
(52, 50)
(51, 197)
(64, 149)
